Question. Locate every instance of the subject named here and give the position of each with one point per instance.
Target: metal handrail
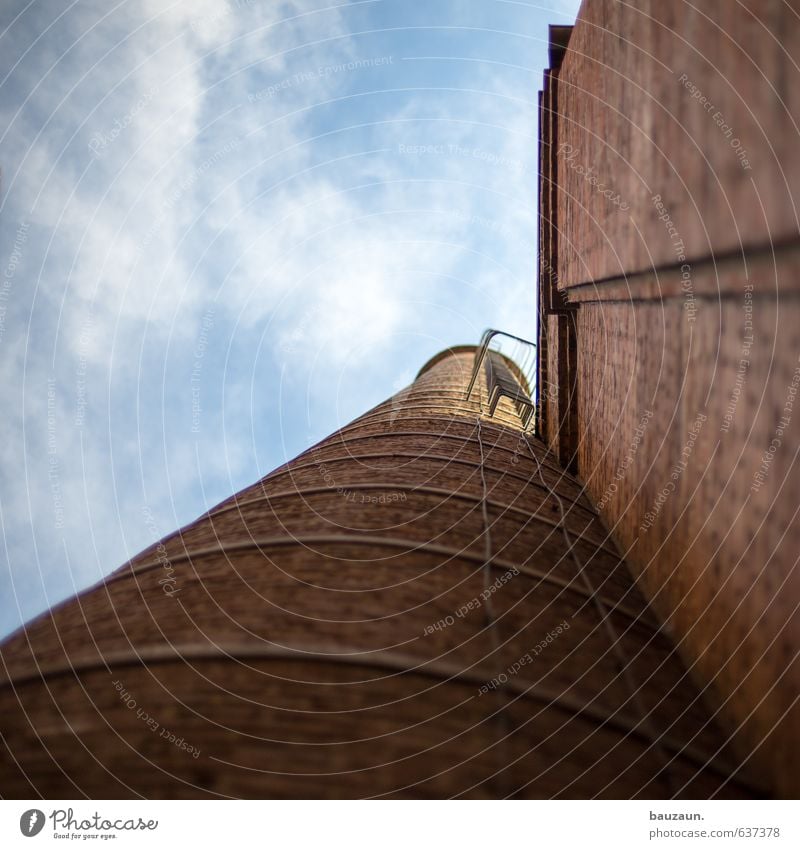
(480, 355)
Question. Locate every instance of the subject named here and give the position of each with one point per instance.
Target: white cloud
(206, 163)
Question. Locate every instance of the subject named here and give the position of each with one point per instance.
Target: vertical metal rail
(504, 729)
(521, 395)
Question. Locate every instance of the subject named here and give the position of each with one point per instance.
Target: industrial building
(577, 581)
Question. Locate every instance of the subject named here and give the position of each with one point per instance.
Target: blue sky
(228, 227)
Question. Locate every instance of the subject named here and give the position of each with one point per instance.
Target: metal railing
(509, 374)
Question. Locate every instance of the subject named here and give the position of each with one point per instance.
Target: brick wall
(677, 177)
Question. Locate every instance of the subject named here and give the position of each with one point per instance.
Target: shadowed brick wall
(674, 185)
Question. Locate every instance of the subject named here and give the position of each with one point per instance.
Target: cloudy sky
(228, 227)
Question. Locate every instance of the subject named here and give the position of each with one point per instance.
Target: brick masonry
(334, 631)
(687, 333)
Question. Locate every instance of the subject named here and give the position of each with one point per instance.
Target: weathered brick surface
(626, 114)
(719, 557)
(297, 654)
(688, 336)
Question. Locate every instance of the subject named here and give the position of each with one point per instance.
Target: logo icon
(31, 822)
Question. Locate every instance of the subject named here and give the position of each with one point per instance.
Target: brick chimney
(422, 605)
